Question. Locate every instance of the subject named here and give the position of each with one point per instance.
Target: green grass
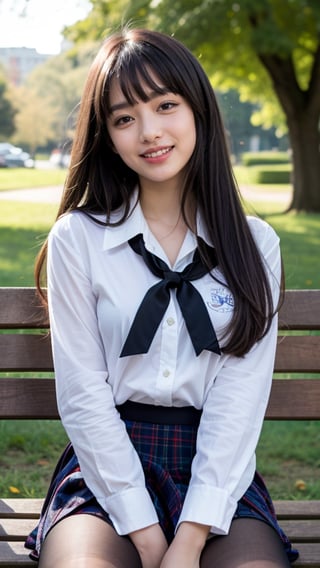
(29, 451)
(288, 452)
(20, 178)
(288, 457)
(23, 228)
(300, 243)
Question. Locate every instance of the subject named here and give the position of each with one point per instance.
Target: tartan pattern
(166, 453)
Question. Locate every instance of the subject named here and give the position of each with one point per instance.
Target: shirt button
(166, 373)
(170, 321)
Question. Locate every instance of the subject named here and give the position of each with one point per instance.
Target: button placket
(168, 353)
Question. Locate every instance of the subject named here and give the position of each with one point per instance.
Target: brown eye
(123, 120)
(168, 105)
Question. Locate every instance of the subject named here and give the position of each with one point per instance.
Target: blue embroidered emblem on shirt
(221, 300)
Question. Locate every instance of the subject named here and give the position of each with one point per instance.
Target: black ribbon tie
(156, 301)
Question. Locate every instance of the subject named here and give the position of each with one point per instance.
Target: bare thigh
(82, 541)
(250, 544)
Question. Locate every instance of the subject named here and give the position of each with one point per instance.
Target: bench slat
(300, 310)
(287, 403)
(28, 398)
(309, 555)
(298, 354)
(20, 508)
(35, 398)
(19, 352)
(287, 509)
(14, 554)
(21, 308)
(25, 352)
(302, 531)
(15, 529)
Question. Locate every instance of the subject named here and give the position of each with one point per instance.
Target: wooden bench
(34, 398)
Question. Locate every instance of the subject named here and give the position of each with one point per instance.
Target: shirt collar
(135, 223)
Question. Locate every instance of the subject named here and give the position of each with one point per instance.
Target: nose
(150, 128)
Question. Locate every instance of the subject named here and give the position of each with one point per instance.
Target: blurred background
(263, 59)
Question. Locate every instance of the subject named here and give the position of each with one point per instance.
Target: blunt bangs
(141, 69)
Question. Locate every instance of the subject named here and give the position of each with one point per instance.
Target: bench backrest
(25, 350)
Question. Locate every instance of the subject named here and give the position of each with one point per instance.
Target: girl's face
(155, 138)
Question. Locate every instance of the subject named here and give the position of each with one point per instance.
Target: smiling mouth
(157, 153)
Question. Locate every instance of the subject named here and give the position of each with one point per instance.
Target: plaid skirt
(166, 453)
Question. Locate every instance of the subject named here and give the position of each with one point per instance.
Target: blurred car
(60, 158)
(14, 157)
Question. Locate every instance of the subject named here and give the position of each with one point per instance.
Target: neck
(162, 210)
(161, 204)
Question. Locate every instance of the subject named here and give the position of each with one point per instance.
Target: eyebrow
(125, 104)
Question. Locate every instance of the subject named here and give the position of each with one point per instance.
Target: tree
(7, 111)
(268, 50)
(33, 120)
(47, 102)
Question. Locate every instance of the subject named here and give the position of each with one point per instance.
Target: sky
(38, 23)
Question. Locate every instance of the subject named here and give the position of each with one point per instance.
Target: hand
(177, 555)
(151, 545)
(186, 548)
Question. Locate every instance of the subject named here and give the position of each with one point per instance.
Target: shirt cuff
(210, 506)
(130, 510)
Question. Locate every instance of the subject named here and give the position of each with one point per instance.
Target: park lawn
(23, 229)
(29, 450)
(20, 178)
(300, 242)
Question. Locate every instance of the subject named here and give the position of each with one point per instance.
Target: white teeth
(158, 153)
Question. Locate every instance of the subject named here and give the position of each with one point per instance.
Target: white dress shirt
(95, 285)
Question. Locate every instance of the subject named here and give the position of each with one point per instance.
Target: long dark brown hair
(99, 181)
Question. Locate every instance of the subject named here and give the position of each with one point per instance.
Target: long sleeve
(232, 419)
(109, 463)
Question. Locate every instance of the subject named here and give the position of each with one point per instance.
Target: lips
(156, 153)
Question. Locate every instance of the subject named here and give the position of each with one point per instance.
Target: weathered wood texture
(25, 348)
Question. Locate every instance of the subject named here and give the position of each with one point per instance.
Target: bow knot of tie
(157, 298)
(172, 278)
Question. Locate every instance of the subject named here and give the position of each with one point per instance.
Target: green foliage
(7, 111)
(261, 158)
(227, 36)
(46, 104)
(267, 50)
(269, 174)
(33, 121)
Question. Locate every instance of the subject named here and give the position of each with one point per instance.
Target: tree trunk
(305, 147)
(302, 110)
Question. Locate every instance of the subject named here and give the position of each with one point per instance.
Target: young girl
(162, 300)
